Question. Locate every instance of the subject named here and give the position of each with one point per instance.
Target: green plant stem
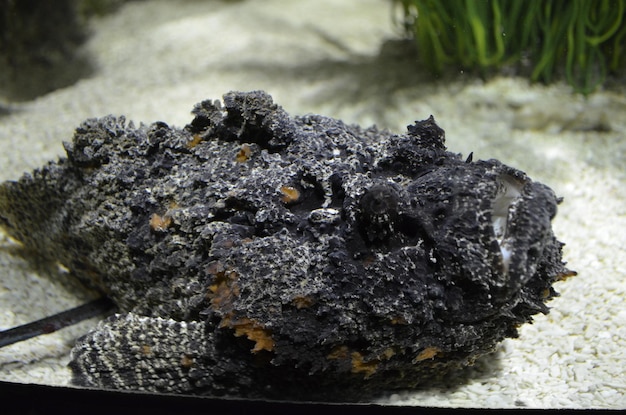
(582, 40)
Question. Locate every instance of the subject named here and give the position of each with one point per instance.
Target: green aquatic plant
(581, 40)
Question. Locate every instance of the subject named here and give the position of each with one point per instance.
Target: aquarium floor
(156, 59)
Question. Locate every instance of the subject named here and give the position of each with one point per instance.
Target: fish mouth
(508, 193)
(522, 211)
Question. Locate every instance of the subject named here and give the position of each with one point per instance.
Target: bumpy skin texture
(261, 255)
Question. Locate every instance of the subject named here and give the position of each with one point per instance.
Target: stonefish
(256, 254)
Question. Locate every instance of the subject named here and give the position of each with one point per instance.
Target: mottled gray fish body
(261, 255)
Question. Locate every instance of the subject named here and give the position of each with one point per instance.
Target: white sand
(156, 59)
